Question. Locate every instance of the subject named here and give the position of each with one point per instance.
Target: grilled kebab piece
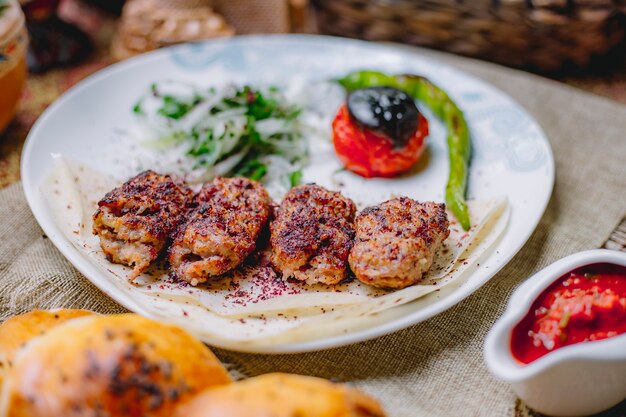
(312, 235)
(134, 221)
(396, 241)
(221, 231)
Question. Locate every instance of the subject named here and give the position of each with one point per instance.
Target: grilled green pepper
(458, 138)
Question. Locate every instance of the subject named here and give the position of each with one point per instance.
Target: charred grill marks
(312, 235)
(222, 230)
(396, 241)
(133, 221)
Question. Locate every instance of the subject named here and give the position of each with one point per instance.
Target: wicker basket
(547, 35)
(150, 24)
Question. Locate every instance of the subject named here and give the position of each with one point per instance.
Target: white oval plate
(511, 155)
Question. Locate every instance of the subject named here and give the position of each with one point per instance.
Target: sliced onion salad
(257, 132)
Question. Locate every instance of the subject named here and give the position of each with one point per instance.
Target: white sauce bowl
(575, 380)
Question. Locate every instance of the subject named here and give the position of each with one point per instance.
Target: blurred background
(46, 46)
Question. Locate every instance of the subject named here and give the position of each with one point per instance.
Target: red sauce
(584, 305)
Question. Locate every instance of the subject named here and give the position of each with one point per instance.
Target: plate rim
(75, 258)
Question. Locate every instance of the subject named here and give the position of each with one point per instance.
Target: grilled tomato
(379, 132)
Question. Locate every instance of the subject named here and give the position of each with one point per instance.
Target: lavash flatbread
(252, 306)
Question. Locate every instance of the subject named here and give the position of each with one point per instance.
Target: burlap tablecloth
(434, 368)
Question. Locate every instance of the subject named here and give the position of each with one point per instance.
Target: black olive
(386, 111)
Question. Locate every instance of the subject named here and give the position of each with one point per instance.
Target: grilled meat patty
(312, 235)
(221, 231)
(396, 241)
(134, 221)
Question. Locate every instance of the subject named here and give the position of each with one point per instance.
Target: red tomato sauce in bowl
(584, 305)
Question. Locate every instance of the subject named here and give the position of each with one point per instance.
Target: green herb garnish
(252, 169)
(295, 178)
(137, 108)
(235, 130)
(173, 108)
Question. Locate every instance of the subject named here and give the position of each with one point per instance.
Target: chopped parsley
(253, 169)
(295, 178)
(175, 109)
(137, 108)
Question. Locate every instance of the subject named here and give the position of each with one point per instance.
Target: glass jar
(13, 44)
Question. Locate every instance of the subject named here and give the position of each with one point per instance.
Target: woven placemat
(617, 240)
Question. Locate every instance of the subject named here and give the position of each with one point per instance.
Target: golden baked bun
(18, 330)
(115, 366)
(281, 395)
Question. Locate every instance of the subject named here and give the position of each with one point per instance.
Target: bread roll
(281, 395)
(114, 366)
(18, 330)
